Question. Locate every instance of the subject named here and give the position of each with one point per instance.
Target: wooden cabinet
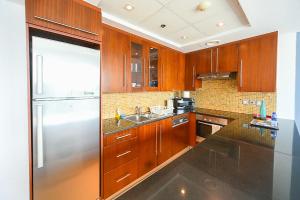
(73, 17)
(165, 141)
(119, 177)
(226, 58)
(257, 64)
(205, 61)
(152, 67)
(119, 137)
(147, 148)
(115, 51)
(191, 82)
(173, 70)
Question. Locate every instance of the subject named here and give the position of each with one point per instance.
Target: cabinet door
(226, 58)
(257, 67)
(205, 61)
(115, 51)
(180, 137)
(69, 16)
(164, 140)
(137, 68)
(191, 83)
(152, 68)
(147, 148)
(173, 70)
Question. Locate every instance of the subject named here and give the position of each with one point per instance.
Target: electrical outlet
(245, 101)
(252, 102)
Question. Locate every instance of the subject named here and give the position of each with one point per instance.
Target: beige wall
(127, 102)
(224, 95)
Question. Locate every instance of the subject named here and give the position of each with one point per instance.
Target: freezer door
(66, 149)
(64, 70)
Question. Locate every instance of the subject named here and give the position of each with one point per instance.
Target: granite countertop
(238, 162)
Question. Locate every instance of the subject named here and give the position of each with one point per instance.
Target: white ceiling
(242, 18)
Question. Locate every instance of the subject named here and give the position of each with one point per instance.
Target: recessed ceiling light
(128, 7)
(212, 43)
(203, 5)
(182, 191)
(163, 26)
(220, 24)
(184, 37)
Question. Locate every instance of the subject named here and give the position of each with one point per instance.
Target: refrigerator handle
(39, 139)
(39, 74)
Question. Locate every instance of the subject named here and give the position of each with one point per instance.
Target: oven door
(205, 129)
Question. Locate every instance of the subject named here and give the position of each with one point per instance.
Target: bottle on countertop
(263, 110)
(118, 114)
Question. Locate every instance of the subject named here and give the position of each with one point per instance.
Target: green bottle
(263, 110)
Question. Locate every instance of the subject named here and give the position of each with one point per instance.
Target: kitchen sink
(137, 118)
(142, 118)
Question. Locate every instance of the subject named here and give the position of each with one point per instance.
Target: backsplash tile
(126, 102)
(224, 95)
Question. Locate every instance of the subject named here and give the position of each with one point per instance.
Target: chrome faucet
(138, 110)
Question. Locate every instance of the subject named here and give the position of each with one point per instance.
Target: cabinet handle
(160, 138)
(193, 76)
(123, 154)
(39, 135)
(65, 25)
(121, 179)
(125, 69)
(156, 139)
(217, 65)
(121, 137)
(241, 74)
(144, 64)
(211, 64)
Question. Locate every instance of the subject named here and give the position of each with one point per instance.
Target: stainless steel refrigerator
(65, 120)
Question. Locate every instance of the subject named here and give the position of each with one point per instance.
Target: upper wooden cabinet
(191, 63)
(205, 61)
(257, 64)
(115, 60)
(225, 58)
(74, 17)
(152, 67)
(173, 70)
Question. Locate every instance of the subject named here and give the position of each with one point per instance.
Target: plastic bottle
(263, 110)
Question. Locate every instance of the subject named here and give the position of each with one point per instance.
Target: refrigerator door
(62, 70)
(66, 148)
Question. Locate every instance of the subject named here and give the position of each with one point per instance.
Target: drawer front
(120, 136)
(119, 177)
(118, 154)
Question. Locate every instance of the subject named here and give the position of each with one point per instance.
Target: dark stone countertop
(238, 162)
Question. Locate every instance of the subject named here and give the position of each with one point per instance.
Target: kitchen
(130, 57)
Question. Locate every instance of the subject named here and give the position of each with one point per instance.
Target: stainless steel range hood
(217, 76)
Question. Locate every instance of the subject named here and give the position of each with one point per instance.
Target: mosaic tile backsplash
(224, 95)
(126, 102)
(214, 94)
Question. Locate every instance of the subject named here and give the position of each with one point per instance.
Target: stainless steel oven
(208, 125)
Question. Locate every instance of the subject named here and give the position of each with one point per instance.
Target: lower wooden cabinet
(131, 154)
(147, 148)
(119, 177)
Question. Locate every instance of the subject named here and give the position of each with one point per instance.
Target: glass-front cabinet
(144, 70)
(137, 66)
(152, 71)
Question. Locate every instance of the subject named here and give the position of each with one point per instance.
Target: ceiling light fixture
(212, 43)
(128, 7)
(203, 5)
(163, 26)
(220, 24)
